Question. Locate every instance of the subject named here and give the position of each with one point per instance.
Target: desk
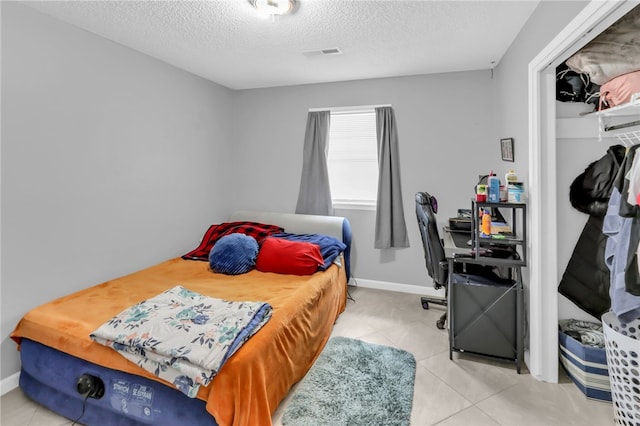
(449, 243)
(485, 317)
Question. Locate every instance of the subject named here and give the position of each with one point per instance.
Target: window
(352, 160)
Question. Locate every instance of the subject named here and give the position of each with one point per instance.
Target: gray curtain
(391, 229)
(315, 194)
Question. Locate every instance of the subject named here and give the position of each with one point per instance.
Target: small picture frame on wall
(506, 147)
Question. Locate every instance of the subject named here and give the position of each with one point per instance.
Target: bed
(55, 347)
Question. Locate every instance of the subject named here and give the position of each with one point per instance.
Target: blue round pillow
(234, 254)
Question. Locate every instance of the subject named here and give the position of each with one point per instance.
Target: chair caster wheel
(425, 302)
(440, 324)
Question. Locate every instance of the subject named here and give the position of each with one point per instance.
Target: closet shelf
(621, 121)
(629, 138)
(630, 109)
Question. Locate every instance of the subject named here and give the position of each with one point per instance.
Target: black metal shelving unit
(488, 318)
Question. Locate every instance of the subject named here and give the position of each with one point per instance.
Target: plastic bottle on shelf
(481, 193)
(493, 188)
(510, 177)
(485, 226)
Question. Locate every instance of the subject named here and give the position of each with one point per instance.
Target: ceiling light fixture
(273, 7)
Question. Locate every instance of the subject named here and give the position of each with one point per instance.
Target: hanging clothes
(586, 278)
(618, 230)
(626, 183)
(633, 197)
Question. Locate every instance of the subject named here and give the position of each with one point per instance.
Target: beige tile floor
(467, 391)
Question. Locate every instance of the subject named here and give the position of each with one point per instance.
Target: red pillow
(288, 257)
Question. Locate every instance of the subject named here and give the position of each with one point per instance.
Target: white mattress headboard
(334, 226)
(295, 223)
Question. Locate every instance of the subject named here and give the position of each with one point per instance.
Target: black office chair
(436, 262)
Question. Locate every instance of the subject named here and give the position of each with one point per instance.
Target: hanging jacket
(586, 278)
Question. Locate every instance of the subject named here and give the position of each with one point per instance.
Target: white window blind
(352, 160)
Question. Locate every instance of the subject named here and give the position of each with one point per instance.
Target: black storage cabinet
(483, 320)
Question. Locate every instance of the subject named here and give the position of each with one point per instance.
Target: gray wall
(111, 161)
(445, 135)
(449, 131)
(546, 22)
(512, 74)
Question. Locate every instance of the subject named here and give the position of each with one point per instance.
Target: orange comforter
(251, 384)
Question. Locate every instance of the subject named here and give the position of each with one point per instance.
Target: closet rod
(622, 126)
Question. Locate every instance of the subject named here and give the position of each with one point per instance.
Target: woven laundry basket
(622, 342)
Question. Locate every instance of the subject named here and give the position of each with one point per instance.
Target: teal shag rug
(354, 383)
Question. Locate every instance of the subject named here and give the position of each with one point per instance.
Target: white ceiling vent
(332, 51)
(324, 52)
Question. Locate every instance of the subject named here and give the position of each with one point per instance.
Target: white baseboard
(402, 288)
(9, 383)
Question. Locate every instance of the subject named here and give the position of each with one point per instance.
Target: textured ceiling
(229, 43)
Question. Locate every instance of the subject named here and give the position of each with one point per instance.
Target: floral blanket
(182, 336)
